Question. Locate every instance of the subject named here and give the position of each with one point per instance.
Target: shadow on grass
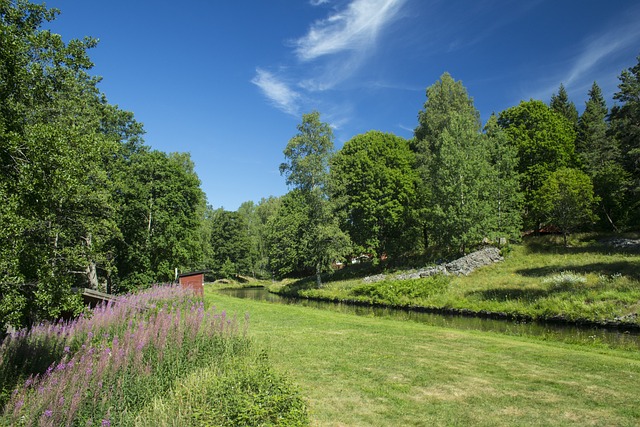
(626, 268)
(507, 294)
(552, 244)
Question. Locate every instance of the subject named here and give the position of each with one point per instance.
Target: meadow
(587, 282)
(359, 371)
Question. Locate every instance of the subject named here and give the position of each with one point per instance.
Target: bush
(402, 292)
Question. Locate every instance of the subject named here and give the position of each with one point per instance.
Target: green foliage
(230, 243)
(600, 157)
(444, 97)
(402, 292)
(86, 204)
(545, 143)
(308, 154)
(561, 104)
(625, 123)
(228, 269)
(373, 185)
(506, 198)
(313, 239)
(162, 207)
(566, 200)
(53, 147)
(286, 236)
(471, 179)
(244, 391)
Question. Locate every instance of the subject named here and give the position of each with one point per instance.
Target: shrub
(403, 291)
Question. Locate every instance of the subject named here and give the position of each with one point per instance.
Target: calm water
(568, 333)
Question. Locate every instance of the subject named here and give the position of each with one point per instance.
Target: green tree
(287, 235)
(506, 198)
(160, 217)
(566, 200)
(445, 98)
(625, 121)
(468, 177)
(545, 142)
(55, 147)
(265, 213)
(561, 104)
(306, 169)
(308, 154)
(599, 155)
(230, 242)
(373, 184)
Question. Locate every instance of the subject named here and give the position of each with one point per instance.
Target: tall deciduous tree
(459, 167)
(306, 169)
(545, 141)
(374, 185)
(230, 242)
(506, 199)
(160, 215)
(445, 98)
(54, 147)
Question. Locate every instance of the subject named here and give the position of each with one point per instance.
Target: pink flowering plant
(105, 366)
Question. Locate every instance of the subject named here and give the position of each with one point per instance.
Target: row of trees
(454, 185)
(84, 201)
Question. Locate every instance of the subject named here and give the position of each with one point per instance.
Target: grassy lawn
(358, 371)
(600, 284)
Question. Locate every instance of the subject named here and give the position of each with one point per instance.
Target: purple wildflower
(48, 413)
(106, 423)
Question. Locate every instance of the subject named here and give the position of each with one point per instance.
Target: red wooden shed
(193, 280)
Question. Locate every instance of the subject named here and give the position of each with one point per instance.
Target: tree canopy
(373, 184)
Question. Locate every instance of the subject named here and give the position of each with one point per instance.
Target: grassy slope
(358, 371)
(517, 285)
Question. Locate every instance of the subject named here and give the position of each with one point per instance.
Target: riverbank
(590, 283)
(377, 372)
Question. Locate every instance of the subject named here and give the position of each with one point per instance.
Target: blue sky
(228, 81)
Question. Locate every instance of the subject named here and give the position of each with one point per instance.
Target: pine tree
(599, 155)
(560, 104)
(625, 121)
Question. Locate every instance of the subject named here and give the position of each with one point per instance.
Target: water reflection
(567, 333)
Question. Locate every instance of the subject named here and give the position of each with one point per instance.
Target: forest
(86, 203)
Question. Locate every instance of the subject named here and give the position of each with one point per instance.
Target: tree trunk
(318, 278)
(92, 275)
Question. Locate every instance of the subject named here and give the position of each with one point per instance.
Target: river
(617, 338)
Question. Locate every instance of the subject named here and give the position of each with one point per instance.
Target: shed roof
(193, 273)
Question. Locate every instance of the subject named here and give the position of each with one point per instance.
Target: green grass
(531, 282)
(358, 371)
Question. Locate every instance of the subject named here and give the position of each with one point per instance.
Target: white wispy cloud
(600, 59)
(354, 28)
(278, 92)
(318, 2)
(602, 47)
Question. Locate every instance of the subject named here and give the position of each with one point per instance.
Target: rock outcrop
(461, 266)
